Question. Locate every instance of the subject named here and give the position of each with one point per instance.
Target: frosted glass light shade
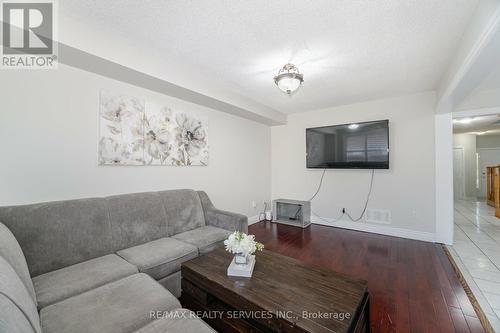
(289, 79)
(288, 84)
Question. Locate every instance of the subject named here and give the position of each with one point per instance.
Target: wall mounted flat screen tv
(349, 146)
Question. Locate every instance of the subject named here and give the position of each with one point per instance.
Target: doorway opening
(476, 233)
(476, 146)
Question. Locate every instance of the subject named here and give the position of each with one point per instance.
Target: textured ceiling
(349, 51)
(491, 81)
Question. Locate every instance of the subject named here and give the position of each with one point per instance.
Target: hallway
(476, 251)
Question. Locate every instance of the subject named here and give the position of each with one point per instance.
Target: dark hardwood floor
(412, 285)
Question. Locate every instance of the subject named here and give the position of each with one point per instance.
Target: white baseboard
(376, 229)
(253, 219)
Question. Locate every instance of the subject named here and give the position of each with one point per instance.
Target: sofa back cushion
(59, 234)
(136, 218)
(12, 253)
(14, 290)
(183, 210)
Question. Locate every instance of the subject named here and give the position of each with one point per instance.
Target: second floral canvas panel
(173, 137)
(136, 132)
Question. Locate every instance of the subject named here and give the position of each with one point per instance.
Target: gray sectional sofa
(90, 265)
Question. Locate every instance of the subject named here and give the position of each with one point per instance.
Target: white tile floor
(476, 251)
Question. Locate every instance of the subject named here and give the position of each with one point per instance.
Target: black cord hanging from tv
(296, 216)
(344, 212)
(319, 185)
(366, 202)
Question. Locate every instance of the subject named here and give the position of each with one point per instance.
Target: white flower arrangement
(242, 244)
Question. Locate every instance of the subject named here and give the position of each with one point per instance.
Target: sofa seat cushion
(63, 283)
(159, 258)
(177, 321)
(204, 238)
(122, 306)
(172, 283)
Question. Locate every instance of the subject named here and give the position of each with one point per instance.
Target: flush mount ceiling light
(353, 126)
(289, 79)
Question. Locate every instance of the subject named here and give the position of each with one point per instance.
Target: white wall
(443, 140)
(468, 143)
(407, 189)
(488, 141)
(49, 139)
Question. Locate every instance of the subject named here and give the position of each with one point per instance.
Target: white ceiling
(486, 94)
(349, 51)
(491, 81)
(489, 124)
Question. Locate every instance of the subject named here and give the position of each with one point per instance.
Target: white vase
(240, 259)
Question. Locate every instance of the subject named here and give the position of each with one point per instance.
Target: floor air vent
(378, 216)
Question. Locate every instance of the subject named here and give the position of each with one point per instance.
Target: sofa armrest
(221, 218)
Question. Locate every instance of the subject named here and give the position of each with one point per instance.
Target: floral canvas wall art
(191, 135)
(121, 129)
(135, 132)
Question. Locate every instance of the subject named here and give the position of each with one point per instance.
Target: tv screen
(350, 146)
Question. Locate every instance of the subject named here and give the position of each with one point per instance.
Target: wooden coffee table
(283, 295)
